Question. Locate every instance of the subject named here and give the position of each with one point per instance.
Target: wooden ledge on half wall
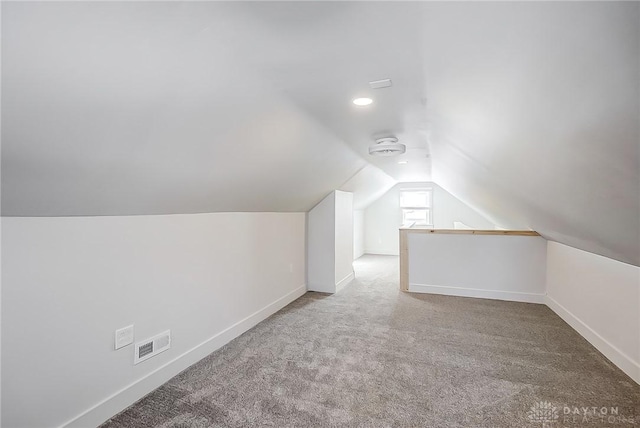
(422, 229)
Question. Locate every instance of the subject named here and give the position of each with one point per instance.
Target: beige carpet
(371, 356)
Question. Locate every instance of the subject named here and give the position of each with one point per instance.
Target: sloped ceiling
(114, 108)
(536, 122)
(367, 186)
(528, 112)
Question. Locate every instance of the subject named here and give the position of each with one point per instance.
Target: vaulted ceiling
(529, 112)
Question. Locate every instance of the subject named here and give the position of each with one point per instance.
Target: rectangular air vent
(150, 347)
(379, 84)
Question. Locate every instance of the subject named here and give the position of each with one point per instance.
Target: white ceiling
(534, 113)
(527, 111)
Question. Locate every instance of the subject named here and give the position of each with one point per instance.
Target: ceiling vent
(387, 147)
(379, 84)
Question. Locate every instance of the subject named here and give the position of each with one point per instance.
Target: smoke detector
(388, 146)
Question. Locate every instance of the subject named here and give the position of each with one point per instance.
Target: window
(416, 206)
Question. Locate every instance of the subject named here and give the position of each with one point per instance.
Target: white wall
(383, 218)
(381, 221)
(1, 298)
(321, 246)
(487, 266)
(344, 238)
(358, 233)
(330, 243)
(69, 282)
(448, 209)
(600, 298)
(491, 153)
(367, 185)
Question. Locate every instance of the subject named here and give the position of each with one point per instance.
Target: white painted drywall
(534, 112)
(490, 266)
(369, 184)
(321, 244)
(358, 233)
(166, 117)
(383, 217)
(1, 295)
(449, 209)
(70, 282)
(330, 243)
(344, 237)
(160, 127)
(600, 298)
(381, 221)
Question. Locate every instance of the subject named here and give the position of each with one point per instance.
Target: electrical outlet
(124, 336)
(291, 268)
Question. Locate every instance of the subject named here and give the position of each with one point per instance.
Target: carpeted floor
(371, 356)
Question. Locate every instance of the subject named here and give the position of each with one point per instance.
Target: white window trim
(428, 207)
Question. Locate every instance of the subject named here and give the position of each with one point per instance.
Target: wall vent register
(152, 347)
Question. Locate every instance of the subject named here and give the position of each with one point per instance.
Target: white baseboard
(128, 395)
(383, 252)
(513, 296)
(327, 287)
(615, 355)
(331, 288)
(344, 281)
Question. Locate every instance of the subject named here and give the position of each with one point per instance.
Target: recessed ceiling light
(403, 162)
(362, 101)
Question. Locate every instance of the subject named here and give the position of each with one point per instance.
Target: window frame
(427, 207)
